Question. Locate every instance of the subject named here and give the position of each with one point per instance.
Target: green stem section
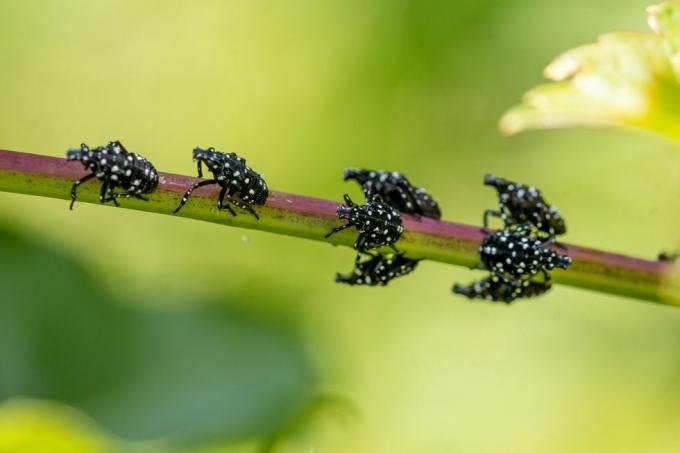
(313, 218)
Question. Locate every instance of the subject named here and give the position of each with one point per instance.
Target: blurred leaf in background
(31, 426)
(189, 374)
(303, 88)
(625, 79)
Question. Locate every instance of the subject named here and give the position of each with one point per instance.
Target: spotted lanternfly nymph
(520, 204)
(378, 270)
(396, 190)
(240, 184)
(502, 289)
(116, 167)
(515, 253)
(668, 257)
(378, 223)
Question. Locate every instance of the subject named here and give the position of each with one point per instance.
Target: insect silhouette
(396, 190)
(497, 287)
(378, 223)
(116, 167)
(378, 270)
(521, 204)
(241, 185)
(514, 252)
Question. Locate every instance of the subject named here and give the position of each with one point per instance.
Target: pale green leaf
(625, 79)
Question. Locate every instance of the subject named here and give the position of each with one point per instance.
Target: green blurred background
(126, 331)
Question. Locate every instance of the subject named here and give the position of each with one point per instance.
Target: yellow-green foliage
(303, 88)
(625, 79)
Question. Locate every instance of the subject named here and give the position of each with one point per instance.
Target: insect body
(116, 168)
(240, 184)
(378, 223)
(668, 257)
(500, 288)
(378, 270)
(515, 253)
(519, 204)
(396, 190)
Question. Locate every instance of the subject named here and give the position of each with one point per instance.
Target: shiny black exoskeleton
(379, 270)
(378, 223)
(240, 184)
(117, 168)
(514, 252)
(521, 204)
(396, 190)
(499, 288)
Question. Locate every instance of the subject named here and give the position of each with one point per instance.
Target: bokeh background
(126, 331)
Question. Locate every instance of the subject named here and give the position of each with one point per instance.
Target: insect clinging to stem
(378, 270)
(515, 252)
(518, 204)
(116, 167)
(241, 185)
(378, 223)
(395, 190)
(497, 287)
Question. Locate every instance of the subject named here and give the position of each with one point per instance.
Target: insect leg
(467, 291)
(191, 189)
(408, 190)
(244, 205)
(553, 240)
(546, 276)
(341, 278)
(491, 212)
(104, 191)
(112, 196)
(360, 243)
(75, 187)
(365, 252)
(368, 190)
(337, 230)
(220, 201)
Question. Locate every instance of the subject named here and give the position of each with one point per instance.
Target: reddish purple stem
(436, 240)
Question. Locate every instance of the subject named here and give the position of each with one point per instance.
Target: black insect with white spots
(379, 270)
(395, 190)
(240, 184)
(378, 223)
(117, 168)
(499, 288)
(514, 252)
(520, 204)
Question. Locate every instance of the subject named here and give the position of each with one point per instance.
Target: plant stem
(313, 218)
